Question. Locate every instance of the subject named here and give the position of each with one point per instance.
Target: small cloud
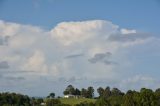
(126, 31)
(99, 56)
(128, 37)
(4, 65)
(74, 56)
(102, 57)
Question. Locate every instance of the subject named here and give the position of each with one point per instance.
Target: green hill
(73, 101)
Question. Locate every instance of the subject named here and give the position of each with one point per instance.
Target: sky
(46, 45)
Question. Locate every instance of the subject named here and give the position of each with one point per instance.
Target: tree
(116, 92)
(52, 95)
(147, 97)
(157, 95)
(107, 92)
(13, 99)
(128, 99)
(104, 92)
(77, 91)
(100, 91)
(84, 92)
(65, 92)
(90, 92)
(69, 90)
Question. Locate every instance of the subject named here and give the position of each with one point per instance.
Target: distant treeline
(107, 97)
(13, 99)
(115, 97)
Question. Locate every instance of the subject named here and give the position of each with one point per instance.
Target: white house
(69, 96)
(43, 104)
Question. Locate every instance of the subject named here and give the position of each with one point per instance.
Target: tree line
(115, 97)
(106, 97)
(13, 99)
(87, 93)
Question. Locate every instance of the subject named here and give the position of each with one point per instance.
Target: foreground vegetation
(107, 97)
(74, 101)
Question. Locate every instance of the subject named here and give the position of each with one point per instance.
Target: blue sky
(54, 43)
(139, 14)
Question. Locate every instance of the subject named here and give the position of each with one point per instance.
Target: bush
(53, 102)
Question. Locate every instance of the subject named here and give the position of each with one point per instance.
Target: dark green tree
(100, 91)
(90, 92)
(65, 92)
(84, 92)
(128, 99)
(116, 92)
(69, 90)
(157, 95)
(77, 92)
(147, 97)
(52, 95)
(107, 92)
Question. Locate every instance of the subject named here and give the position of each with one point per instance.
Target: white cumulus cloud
(68, 51)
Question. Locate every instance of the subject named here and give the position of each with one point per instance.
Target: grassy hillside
(73, 101)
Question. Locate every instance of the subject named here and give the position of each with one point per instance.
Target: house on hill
(72, 96)
(69, 96)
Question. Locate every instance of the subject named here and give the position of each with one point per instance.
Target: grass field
(73, 101)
